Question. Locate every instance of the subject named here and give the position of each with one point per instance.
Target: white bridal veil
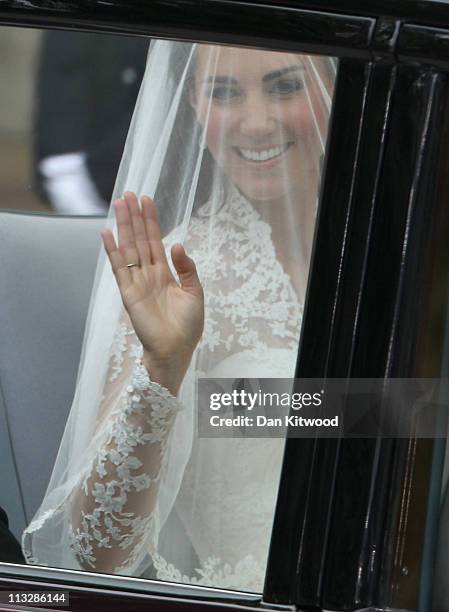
(230, 143)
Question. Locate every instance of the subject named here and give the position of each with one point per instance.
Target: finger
(126, 242)
(153, 230)
(186, 269)
(139, 229)
(124, 228)
(118, 264)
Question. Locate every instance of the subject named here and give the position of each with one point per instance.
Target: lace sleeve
(110, 516)
(114, 509)
(114, 512)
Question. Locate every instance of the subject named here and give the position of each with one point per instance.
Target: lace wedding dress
(146, 451)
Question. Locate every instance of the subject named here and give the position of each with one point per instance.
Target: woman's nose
(258, 117)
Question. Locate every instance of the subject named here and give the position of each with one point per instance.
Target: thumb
(186, 269)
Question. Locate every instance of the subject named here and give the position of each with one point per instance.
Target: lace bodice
(146, 454)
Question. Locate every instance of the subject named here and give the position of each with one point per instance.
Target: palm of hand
(165, 316)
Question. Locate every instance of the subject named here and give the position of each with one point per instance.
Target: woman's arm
(114, 510)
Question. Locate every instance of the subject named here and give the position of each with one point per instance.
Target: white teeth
(264, 155)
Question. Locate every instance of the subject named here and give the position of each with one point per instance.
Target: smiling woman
(257, 118)
(229, 143)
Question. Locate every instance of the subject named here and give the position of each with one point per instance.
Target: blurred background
(19, 50)
(66, 102)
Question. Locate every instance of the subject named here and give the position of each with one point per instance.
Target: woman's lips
(262, 158)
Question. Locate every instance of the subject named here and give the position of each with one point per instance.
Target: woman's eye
(284, 87)
(223, 93)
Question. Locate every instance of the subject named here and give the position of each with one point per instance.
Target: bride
(229, 142)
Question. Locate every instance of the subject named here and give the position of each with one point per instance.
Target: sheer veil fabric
(229, 142)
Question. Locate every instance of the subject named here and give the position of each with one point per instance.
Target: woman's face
(253, 106)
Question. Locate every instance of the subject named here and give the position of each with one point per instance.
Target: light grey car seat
(47, 267)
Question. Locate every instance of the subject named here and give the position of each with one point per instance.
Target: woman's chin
(262, 195)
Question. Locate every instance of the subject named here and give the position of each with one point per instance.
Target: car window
(158, 475)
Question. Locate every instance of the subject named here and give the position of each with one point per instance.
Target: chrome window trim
(141, 586)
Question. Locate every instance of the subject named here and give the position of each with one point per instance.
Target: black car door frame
(364, 547)
(351, 514)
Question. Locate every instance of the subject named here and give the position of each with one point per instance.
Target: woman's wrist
(168, 374)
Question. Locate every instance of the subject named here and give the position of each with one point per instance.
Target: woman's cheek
(214, 135)
(302, 122)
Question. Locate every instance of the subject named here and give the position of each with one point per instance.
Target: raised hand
(167, 316)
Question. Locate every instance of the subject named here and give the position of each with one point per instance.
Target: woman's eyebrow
(275, 74)
(220, 79)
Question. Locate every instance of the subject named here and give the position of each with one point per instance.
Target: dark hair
(170, 187)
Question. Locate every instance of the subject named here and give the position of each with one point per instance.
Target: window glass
(230, 144)
(67, 107)
(19, 51)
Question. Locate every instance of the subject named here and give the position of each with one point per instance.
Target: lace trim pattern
(144, 418)
(119, 349)
(260, 291)
(216, 573)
